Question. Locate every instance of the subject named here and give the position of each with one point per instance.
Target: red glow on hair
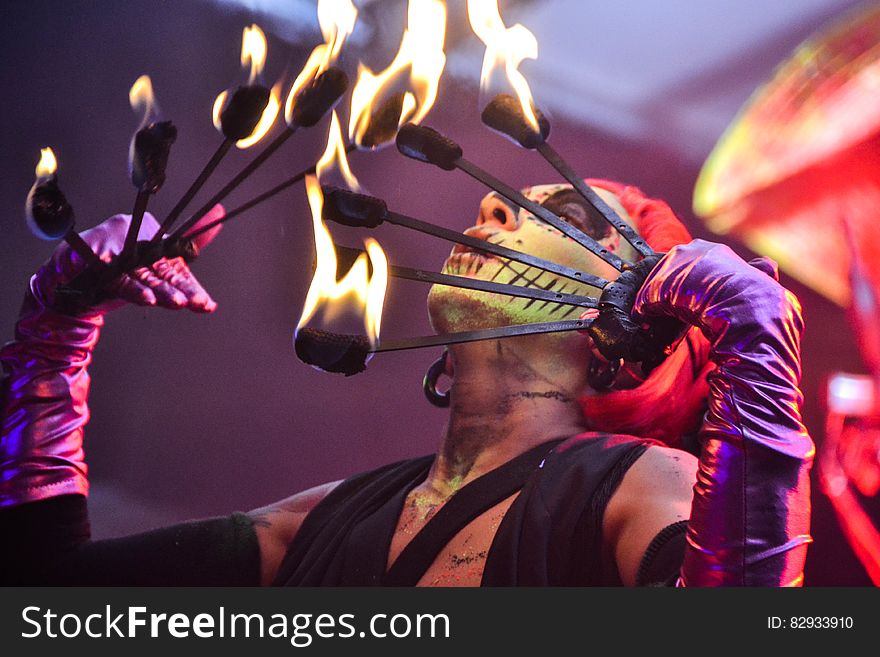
(671, 402)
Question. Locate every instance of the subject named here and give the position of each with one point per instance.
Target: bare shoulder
(277, 524)
(660, 471)
(655, 492)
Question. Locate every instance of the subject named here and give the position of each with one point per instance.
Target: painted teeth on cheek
(519, 274)
(562, 306)
(549, 287)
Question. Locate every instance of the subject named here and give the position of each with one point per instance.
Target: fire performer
(539, 479)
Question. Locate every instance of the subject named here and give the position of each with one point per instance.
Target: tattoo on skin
(456, 560)
(550, 394)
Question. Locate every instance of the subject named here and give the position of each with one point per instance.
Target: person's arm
(276, 526)
(44, 409)
(48, 543)
(749, 522)
(644, 522)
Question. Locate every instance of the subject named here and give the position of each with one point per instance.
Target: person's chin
(453, 309)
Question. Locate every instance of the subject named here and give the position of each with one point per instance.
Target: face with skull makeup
(665, 405)
(500, 222)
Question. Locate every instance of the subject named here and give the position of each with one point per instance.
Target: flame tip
(421, 53)
(336, 19)
(506, 47)
(334, 156)
(253, 51)
(329, 293)
(253, 57)
(48, 163)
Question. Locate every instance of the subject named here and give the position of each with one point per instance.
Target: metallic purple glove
(750, 518)
(43, 399)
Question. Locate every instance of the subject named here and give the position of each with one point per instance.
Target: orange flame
(48, 165)
(253, 56)
(421, 51)
(337, 19)
(367, 292)
(253, 51)
(334, 156)
(505, 47)
(140, 96)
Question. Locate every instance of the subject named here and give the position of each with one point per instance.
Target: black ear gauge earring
(429, 383)
(600, 376)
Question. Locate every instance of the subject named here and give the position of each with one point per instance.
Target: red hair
(671, 401)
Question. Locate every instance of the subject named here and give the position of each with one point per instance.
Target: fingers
(171, 282)
(134, 291)
(168, 284)
(588, 315)
(166, 294)
(177, 275)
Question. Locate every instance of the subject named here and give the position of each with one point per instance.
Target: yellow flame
(368, 292)
(253, 54)
(421, 51)
(141, 96)
(253, 51)
(504, 47)
(219, 104)
(47, 165)
(334, 156)
(337, 19)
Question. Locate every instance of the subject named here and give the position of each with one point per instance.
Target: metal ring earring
(429, 383)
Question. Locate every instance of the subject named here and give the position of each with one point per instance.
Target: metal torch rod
(80, 246)
(482, 334)
(538, 294)
(137, 217)
(265, 196)
(264, 155)
(197, 184)
(494, 249)
(599, 206)
(541, 212)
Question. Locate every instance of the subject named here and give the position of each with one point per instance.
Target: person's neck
(501, 406)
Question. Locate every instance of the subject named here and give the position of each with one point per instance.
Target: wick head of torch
(332, 352)
(383, 122)
(504, 113)
(348, 208)
(318, 97)
(152, 145)
(427, 145)
(243, 111)
(49, 215)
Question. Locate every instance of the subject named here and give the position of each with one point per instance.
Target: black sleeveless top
(550, 536)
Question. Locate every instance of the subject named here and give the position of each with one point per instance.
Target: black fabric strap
(324, 553)
(662, 560)
(467, 504)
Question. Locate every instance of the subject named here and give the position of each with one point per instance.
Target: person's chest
(461, 561)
